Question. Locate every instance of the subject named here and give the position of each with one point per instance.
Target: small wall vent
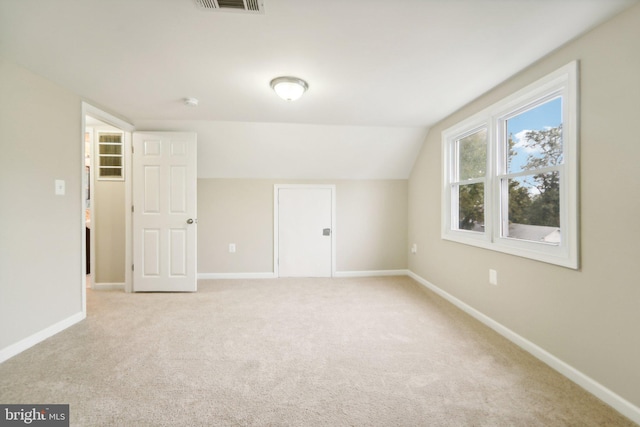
(247, 6)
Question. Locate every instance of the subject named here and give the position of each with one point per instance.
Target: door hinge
(132, 267)
(132, 150)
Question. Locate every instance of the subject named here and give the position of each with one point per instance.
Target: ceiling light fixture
(289, 88)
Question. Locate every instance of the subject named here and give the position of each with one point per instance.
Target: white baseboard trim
(371, 273)
(267, 275)
(271, 275)
(107, 286)
(22, 345)
(620, 404)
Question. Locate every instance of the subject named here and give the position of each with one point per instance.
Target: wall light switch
(232, 247)
(493, 277)
(60, 187)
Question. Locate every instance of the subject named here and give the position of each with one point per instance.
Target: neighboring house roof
(535, 233)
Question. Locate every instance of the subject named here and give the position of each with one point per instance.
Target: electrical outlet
(232, 247)
(414, 249)
(493, 277)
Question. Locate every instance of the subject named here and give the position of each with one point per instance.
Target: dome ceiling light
(289, 88)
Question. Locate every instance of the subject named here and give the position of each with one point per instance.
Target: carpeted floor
(293, 352)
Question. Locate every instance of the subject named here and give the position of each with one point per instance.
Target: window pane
(535, 138)
(110, 172)
(471, 207)
(472, 152)
(534, 208)
(110, 149)
(110, 137)
(110, 161)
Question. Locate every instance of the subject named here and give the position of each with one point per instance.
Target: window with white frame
(110, 155)
(510, 173)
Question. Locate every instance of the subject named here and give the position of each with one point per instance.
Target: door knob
(191, 221)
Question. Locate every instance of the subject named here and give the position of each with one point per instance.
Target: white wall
(589, 318)
(242, 150)
(40, 232)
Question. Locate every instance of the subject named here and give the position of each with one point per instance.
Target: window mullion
(470, 181)
(532, 172)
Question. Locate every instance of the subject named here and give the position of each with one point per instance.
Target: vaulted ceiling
(398, 65)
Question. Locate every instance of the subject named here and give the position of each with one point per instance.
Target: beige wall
(108, 228)
(371, 219)
(40, 233)
(588, 318)
(372, 225)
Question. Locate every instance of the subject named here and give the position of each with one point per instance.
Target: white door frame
(276, 228)
(128, 128)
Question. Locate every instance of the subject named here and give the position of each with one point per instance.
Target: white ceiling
(402, 64)
(299, 151)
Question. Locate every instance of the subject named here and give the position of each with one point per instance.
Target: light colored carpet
(291, 352)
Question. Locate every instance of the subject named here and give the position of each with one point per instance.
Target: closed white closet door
(305, 232)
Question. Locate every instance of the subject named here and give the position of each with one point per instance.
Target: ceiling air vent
(248, 6)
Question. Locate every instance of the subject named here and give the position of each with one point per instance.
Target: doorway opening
(104, 205)
(106, 199)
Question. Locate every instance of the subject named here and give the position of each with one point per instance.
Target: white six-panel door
(305, 231)
(164, 212)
